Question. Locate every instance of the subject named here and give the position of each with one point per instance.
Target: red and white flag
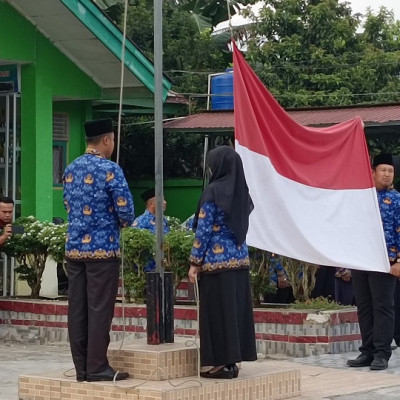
(312, 188)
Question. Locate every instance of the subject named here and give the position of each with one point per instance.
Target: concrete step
(259, 380)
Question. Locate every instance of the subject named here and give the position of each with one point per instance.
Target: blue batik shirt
(99, 202)
(215, 247)
(389, 204)
(148, 221)
(275, 270)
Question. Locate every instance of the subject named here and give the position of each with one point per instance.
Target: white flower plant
(31, 249)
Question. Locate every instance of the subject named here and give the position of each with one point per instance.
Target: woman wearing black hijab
(220, 254)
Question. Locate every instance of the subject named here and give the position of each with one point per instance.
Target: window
(60, 139)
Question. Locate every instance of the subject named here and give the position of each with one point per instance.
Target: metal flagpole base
(160, 314)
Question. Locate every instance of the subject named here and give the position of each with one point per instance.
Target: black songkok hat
(148, 194)
(383, 159)
(98, 127)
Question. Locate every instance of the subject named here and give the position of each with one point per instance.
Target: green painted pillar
(37, 146)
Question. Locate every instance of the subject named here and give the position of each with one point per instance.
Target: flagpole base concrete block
(156, 362)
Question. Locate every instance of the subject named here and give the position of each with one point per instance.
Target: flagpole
(158, 132)
(229, 18)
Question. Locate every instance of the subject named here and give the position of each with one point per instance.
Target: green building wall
(182, 196)
(78, 112)
(46, 74)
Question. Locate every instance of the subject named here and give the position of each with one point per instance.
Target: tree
(311, 53)
(188, 49)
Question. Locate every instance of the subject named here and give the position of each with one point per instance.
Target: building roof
(223, 121)
(81, 31)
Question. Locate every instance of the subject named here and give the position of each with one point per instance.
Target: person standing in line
(374, 291)
(344, 287)
(99, 203)
(147, 220)
(220, 258)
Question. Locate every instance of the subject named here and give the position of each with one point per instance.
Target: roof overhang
(81, 31)
(222, 121)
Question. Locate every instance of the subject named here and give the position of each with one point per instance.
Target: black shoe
(223, 373)
(379, 363)
(361, 361)
(107, 375)
(234, 368)
(393, 347)
(81, 376)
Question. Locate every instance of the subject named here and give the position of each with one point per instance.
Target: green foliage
(183, 153)
(384, 144)
(319, 303)
(32, 248)
(174, 223)
(54, 236)
(138, 246)
(312, 53)
(177, 247)
(260, 261)
(187, 41)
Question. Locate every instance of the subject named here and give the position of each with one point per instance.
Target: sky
(361, 5)
(357, 6)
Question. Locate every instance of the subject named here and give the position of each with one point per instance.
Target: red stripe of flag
(328, 158)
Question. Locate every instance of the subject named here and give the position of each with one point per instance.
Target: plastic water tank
(222, 84)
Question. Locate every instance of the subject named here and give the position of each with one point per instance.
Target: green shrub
(177, 247)
(319, 303)
(31, 249)
(138, 248)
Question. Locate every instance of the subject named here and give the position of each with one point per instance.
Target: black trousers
(92, 292)
(324, 282)
(397, 313)
(374, 295)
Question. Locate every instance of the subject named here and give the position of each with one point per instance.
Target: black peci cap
(98, 127)
(383, 159)
(148, 194)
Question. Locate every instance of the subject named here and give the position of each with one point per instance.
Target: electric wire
(306, 64)
(122, 249)
(121, 91)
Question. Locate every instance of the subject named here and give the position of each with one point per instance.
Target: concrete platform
(254, 383)
(165, 372)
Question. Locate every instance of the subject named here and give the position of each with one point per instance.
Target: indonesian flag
(312, 188)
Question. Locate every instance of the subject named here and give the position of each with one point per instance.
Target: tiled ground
(339, 361)
(323, 377)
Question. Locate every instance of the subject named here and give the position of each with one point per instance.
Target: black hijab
(228, 189)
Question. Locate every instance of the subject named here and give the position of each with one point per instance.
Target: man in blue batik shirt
(374, 291)
(99, 203)
(147, 220)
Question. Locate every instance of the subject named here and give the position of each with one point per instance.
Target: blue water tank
(222, 84)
